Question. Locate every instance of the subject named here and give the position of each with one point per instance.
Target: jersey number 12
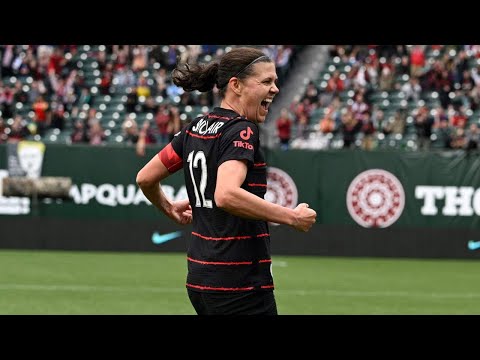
(193, 161)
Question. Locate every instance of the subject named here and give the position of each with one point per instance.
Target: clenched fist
(304, 217)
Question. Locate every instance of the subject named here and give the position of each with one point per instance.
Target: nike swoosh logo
(473, 245)
(160, 239)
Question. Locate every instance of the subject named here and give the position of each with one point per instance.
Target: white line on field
(349, 293)
(326, 292)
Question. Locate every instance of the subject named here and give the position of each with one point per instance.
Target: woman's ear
(236, 85)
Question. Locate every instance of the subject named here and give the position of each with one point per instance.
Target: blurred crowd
(63, 91)
(367, 96)
(389, 96)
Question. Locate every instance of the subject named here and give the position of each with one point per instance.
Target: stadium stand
(409, 97)
(104, 94)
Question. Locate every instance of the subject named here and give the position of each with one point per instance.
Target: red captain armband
(170, 159)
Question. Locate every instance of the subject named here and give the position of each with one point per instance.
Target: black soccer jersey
(225, 252)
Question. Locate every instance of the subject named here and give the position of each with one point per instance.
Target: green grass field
(58, 282)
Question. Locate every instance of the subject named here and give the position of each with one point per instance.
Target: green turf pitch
(58, 282)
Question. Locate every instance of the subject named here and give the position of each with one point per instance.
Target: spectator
(359, 106)
(444, 133)
(132, 101)
(143, 89)
(106, 79)
(79, 133)
(327, 123)
(412, 89)
(423, 125)
(19, 130)
(96, 134)
(472, 138)
(162, 121)
(302, 112)
(368, 130)
(284, 128)
(3, 131)
(19, 95)
(58, 117)
(42, 117)
(350, 127)
(124, 77)
(417, 61)
(387, 78)
(282, 61)
(149, 106)
(6, 101)
(130, 131)
(312, 93)
(396, 124)
(459, 140)
(145, 137)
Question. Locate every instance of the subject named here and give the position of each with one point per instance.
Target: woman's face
(258, 91)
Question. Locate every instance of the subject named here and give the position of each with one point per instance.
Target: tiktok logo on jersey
(241, 144)
(245, 134)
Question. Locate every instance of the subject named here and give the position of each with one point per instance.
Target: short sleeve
(177, 142)
(239, 142)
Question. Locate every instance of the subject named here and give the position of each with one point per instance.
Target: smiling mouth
(266, 104)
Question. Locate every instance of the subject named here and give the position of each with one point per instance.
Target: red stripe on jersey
(256, 185)
(220, 117)
(260, 164)
(265, 261)
(202, 136)
(170, 159)
(227, 262)
(221, 238)
(219, 288)
(228, 238)
(220, 262)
